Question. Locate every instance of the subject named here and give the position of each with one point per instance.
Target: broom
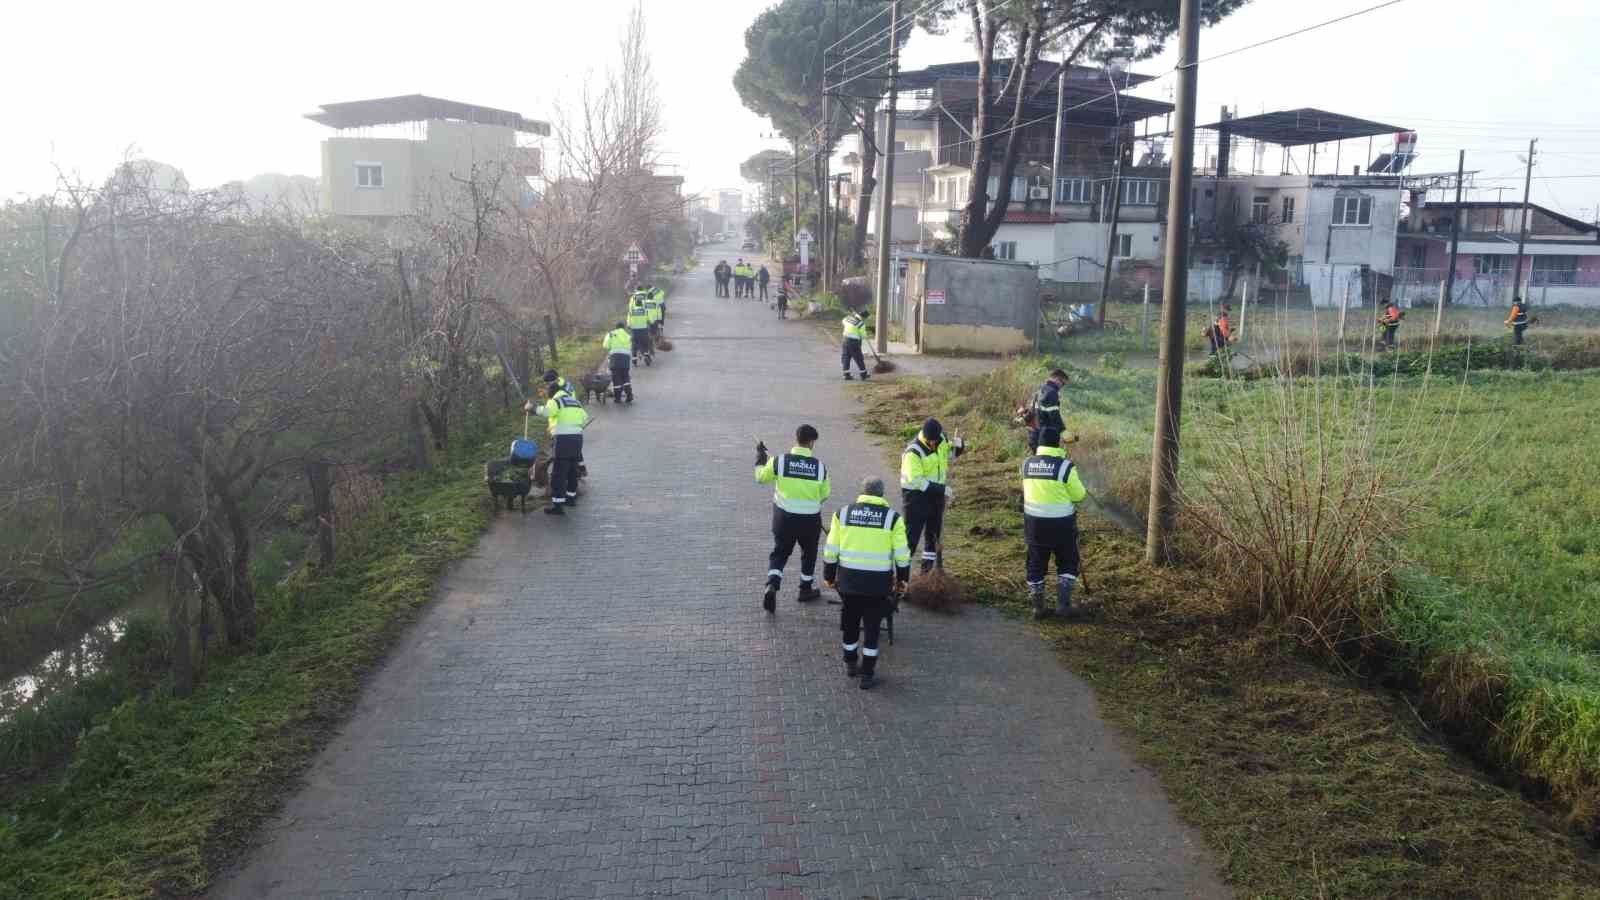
(937, 590)
(880, 365)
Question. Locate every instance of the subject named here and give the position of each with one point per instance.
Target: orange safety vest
(1224, 327)
(1391, 315)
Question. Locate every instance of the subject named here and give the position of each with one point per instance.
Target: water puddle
(62, 668)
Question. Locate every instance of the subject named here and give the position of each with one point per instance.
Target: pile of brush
(664, 345)
(936, 590)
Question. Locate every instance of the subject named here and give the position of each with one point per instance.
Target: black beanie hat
(932, 430)
(551, 376)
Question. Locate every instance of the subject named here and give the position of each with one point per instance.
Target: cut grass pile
(1307, 782)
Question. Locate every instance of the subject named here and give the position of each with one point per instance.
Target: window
(369, 175)
(1352, 210)
(1258, 211)
(1072, 190)
(1019, 187)
(1005, 250)
(1554, 270)
(1288, 210)
(1124, 246)
(1498, 264)
(1139, 191)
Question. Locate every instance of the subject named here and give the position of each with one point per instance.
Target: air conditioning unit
(1038, 193)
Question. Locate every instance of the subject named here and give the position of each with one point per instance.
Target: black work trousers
(621, 382)
(1390, 335)
(564, 469)
(924, 514)
(789, 529)
(641, 341)
(860, 619)
(763, 285)
(1063, 546)
(851, 350)
(1516, 333)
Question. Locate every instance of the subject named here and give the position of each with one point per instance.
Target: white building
(397, 156)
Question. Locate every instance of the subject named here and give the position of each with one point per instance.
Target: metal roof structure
(420, 108)
(1044, 72)
(1298, 127)
(1084, 104)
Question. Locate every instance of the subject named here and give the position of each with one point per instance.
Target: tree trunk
(869, 183)
(182, 634)
(438, 422)
(417, 440)
(319, 477)
(981, 219)
(225, 577)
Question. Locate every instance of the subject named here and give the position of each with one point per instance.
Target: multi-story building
(1340, 229)
(396, 157)
(1068, 237)
(1560, 264)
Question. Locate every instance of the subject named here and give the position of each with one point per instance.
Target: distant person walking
(762, 277)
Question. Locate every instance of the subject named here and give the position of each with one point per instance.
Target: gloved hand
(761, 453)
(528, 407)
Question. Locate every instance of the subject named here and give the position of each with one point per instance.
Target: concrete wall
(1352, 245)
(341, 195)
(990, 307)
(1075, 252)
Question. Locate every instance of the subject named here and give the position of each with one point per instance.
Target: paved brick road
(598, 707)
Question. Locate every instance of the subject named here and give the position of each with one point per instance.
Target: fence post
(1144, 320)
(1438, 313)
(550, 332)
(1344, 308)
(1244, 307)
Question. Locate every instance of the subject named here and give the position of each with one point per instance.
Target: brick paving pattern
(596, 706)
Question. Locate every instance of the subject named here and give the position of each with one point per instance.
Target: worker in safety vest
(619, 346)
(1389, 322)
(855, 331)
(639, 328)
(660, 295)
(865, 559)
(1518, 320)
(1051, 491)
(1045, 411)
(567, 419)
(657, 311)
(799, 487)
(924, 486)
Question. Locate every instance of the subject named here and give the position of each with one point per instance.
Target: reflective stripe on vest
(865, 541)
(937, 473)
(1044, 487)
(798, 485)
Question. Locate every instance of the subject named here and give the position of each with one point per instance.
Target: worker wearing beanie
(1051, 492)
(567, 419)
(924, 486)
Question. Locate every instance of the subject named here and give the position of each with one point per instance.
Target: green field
(1495, 612)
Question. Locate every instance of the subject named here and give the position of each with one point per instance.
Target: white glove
(949, 495)
(959, 443)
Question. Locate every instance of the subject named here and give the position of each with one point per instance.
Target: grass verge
(1305, 781)
(161, 790)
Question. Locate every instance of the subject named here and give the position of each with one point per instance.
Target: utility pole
(1174, 294)
(822, 199)
(1055, 158)
(1522, 235)
(1455, 234)
(880, 322)
(838, 216)
(795, 143)
(1111, 242)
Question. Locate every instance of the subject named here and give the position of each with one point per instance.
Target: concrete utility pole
(880, 322)
(795, 143)
(1522, 236)
(1174, 295)
(1455, 234)
(1055, 158)
(1111, 242)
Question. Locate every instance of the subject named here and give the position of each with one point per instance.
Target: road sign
(803, 238)
(935, 297)
(633, 254)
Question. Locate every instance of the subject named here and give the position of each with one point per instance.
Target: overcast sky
(219, 89)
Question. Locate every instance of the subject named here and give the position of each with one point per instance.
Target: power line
(853, 31)
(1300, 31)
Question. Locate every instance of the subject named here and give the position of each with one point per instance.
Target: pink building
(1561, 260)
